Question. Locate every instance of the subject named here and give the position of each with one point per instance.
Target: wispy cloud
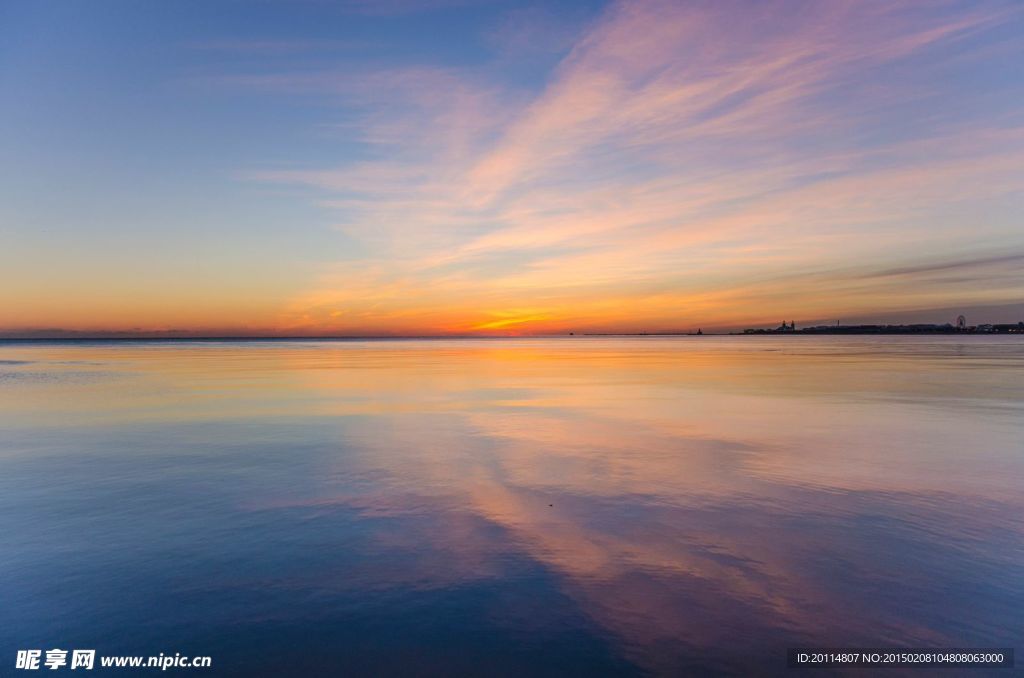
(537, 30)
(275, 47)
(1012, 262)
(698, 163)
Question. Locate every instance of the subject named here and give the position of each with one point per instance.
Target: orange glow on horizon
(679, 166)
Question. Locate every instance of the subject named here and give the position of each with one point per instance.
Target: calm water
(511, 507)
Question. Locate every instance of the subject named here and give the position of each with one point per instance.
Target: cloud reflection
(666, 500)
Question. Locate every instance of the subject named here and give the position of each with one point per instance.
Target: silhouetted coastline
(920, 328)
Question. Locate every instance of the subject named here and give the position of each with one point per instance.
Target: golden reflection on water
(685, 492)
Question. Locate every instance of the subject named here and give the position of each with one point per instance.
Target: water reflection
(499, 507)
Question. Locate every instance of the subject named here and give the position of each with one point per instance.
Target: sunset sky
(320, 167)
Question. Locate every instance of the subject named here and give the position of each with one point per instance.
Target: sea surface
(511, 507)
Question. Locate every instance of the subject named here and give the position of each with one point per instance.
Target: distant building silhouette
(918, 328)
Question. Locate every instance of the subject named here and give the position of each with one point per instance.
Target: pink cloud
(711, 157)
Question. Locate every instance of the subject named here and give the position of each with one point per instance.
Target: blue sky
(333, 167)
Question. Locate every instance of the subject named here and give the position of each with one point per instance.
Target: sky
(320, 167)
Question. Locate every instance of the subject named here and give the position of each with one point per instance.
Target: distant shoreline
(997, 328)
(852, 331)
